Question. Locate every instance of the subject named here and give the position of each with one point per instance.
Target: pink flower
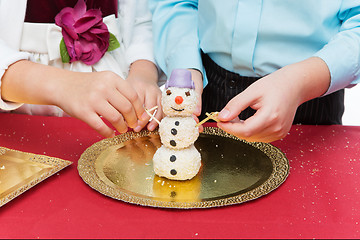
(85, 34)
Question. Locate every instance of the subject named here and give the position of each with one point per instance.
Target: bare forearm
(28, 82)
(312, 78)
(145, 70)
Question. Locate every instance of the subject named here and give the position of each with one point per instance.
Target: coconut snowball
(178, 132)
(175, 164)
(179, 101)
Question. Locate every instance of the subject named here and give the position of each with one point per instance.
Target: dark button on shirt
(231, 84)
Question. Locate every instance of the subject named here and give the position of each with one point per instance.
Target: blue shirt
(257, 37)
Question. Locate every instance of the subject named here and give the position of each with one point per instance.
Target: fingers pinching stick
(152, 116)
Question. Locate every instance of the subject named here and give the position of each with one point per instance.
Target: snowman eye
(187, 93)
(168, 92)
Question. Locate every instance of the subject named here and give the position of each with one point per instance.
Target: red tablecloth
(319, 199)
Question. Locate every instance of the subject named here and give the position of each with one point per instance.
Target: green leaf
(113, 43)
(65, 57)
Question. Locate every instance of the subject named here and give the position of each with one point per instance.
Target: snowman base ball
(175, 164)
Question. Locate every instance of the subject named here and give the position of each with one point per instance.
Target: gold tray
(233, 171)
(19, 171)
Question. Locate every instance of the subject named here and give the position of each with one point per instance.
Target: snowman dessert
(178, 159)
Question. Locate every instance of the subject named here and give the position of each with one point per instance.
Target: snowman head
(179, 97)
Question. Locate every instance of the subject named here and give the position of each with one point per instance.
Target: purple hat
(180, 78)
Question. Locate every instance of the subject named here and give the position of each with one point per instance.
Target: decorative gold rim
(87, 171)
(55, 163)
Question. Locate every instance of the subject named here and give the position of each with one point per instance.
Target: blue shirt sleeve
(342, 53)
(175, 31)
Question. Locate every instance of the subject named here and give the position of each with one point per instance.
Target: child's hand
(198, 81)
(275, 104)
(86, 96)
(275, 99)
(150, 95)
(96, 94)
(143, 77)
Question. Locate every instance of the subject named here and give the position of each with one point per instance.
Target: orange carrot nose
(179, 100)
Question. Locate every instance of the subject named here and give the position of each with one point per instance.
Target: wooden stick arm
(212, 116)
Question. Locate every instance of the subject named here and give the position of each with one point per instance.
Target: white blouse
(39, 42)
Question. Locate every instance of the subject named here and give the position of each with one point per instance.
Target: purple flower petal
(88, 36)
(85, 23)
(59, 16)
(99, 30)
(85, 34)
(66, 22)
(79, 9)
(93, 13)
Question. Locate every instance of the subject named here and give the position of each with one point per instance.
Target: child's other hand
(275, 106)
(150, 95)
(198, 81)
(88, 96)
(143, 77)
(275, 98)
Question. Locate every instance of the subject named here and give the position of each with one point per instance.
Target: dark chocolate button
(172, 158)
(177, 123)
(173, 131)
(173, 143)
(173, 172)
(231, 84)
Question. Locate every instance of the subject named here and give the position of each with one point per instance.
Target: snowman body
(178, 159)
(178, 132)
